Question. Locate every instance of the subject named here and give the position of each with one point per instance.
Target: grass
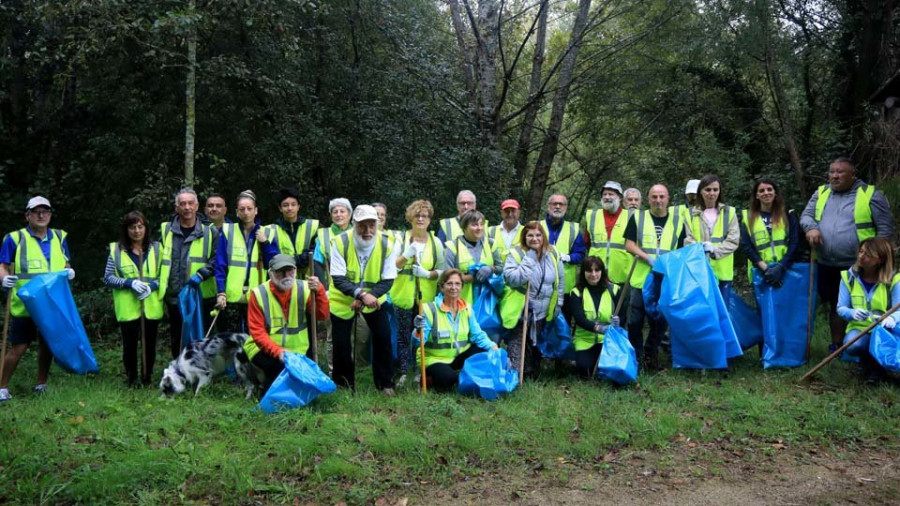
(91, 440)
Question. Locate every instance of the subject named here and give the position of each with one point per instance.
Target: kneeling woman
(591, 303)
(449, 330)
(867, 290)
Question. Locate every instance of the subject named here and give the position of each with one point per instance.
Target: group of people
(296, 280)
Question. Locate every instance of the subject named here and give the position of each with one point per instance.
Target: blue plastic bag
(650, 292)
(487, 312)
(617, 362)
(299, 383)
(701, 333)
(488, 375)
(190, 300)
(497, 283)
(50, 303)
(884, 345)
(395, 332)
(555, 340)
(747, 322)
(784, 313)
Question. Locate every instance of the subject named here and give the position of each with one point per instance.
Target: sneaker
(4, 395)
(401, 381)
(40, 389)
(388, 392)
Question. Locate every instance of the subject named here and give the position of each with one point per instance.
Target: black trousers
(131, 348)
(650, 347)
(585, 360)
(344, 372)
(270, 366)
(444, 377)
(176, 320)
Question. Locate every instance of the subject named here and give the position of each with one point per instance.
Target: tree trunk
(459, 28)
(551, 141)
(487, 34)
(520, 164)
(189, 98)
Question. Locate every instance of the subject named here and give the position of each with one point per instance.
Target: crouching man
(277, 317)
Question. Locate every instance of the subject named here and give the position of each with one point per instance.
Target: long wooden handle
(846, 345)
(626, 287)
(524, 333)
(5, 332)
(313, 345)
(420, 334)
(145, 373)
(809, 309)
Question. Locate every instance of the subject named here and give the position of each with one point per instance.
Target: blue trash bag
(299, 383)
(884, 345)
(784, 317)
(617, 362)
(747, 322)
(701, 333)
(190, 300)
(50, 303)
(497, 283)
(395, 332)
(488, 375)
(555, 340)
(486, 309)
(650, 292)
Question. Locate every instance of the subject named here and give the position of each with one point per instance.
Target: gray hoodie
(542, 275)
(838, 229)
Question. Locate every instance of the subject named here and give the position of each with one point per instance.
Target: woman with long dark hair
(770, 234)
(591, 303)
(715, 225)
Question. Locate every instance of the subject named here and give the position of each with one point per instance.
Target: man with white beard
(363, 269)
(277, 316)
(605, 232)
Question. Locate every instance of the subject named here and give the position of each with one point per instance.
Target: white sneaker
(401, 381)
(5, 395)
(40, 389)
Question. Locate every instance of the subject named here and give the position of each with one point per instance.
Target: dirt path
(695, 475)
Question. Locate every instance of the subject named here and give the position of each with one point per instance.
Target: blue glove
(474, 268)
(859, 315)
(774, 274)
(484, 273)
(415, 341)
(195, 280)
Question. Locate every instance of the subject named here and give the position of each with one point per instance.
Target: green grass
(91, 440)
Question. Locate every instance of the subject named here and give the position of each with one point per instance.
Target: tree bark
(551, 140)
(487, 33)
(189, 97)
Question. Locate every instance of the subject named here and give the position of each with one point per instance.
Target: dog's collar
(179, 372)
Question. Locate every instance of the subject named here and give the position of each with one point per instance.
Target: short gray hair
(340, 202)
(186, 189)
(632, 190)
(466, 192)
(470, 216)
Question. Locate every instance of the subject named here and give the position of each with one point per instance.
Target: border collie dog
(201, 360)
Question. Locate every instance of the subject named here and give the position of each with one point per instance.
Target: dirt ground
(688, 473)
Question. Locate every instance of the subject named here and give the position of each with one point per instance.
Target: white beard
(611, 207)
(285, 284)
(362, 243)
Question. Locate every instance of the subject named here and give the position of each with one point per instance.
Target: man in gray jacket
(835, 226)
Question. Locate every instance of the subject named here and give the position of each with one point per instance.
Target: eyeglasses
(423, 217)
(556, 204)
(41, 212)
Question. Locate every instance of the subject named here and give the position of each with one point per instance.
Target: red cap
(509, 203)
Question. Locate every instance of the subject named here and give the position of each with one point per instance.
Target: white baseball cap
(692, 186)
(614, 186)
(37, 202)
(364, 212)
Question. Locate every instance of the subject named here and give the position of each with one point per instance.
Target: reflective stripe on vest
(451, 228)
(862, 211)
(609, 248)
(647, 241)
(125, 301)
(585, 339)
(512, 305)
(771, 246)
(568, 233)
(291, 335)
(876, 306)
(464, 260)
(198, 253)
(340, 303)
(723, 267)
(30, 262)
(237, 282)
(445, 342)
(498, 241)
(403, 291)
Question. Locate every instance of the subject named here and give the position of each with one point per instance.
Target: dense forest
(110, 105)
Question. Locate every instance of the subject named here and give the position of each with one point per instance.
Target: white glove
(71, 272)
(10, 281)
(565, 258)
(651, 260)
(421, 272)
(614, 321)
(707, 247)
(888, 323)
(859, 315)
(419, 322)
(409, 252)
(139, 286)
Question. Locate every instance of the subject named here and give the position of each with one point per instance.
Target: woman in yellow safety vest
(419, 264)
(867, 290)
(591, 304)
(715, 225)
(770, 234)
(449, 328)
(242, 261)
(533, 261)
(138, 303)
(472, 253)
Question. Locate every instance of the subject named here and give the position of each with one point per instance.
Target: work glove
(195, 280)
(421, 272)
(139, 288)
(888, 323)
(614, 321)
(10, 281)
(409, 252)
(651, 261)
(600, 328)
(302, 260)
(419, 322)
(707, 247)
(484, 273)
(474, 268)
(774, 274)
(565, 257)
(859, 315)
(71, 273)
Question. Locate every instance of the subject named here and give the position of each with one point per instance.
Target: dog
(201, 360)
